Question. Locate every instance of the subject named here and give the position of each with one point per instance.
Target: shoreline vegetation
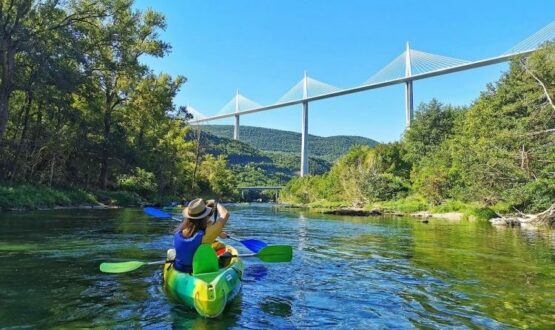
(79, 108)
(31, 197)
(493, 160)
(468, 212)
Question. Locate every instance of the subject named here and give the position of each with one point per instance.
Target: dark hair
(191, 226)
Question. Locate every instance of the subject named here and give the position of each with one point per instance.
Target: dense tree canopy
(79, 108)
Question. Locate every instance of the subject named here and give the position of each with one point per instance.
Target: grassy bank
(33, 197)
(411, 205)
(414, 204)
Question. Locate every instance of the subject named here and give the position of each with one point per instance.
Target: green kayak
(210, 288)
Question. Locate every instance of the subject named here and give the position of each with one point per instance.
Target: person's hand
(223, 234)
(211, 203)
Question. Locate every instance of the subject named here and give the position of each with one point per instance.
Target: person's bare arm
(214, 230)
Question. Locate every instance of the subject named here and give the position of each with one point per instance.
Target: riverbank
(411, 207)
(31, 197)
(498, 215)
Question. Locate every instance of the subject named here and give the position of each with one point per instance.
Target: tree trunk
(4, 99)
(23, 133)
(105, 152)
(197, 154)
(7, 61)
(546, 217)
(104, 163)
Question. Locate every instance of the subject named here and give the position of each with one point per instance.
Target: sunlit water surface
(346, 273)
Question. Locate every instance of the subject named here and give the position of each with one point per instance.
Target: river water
(347, 272)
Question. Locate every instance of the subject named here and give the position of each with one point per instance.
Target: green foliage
(252, 167)
(480, 213)
(534, 196)
(361, 176)
(34, 197)
(433, 123)
(385, 187)
(273, 140)
(141, 182)
(450, 206)
(82, 109)
(410, 204)
(219, 178)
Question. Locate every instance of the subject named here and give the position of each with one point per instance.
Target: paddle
(252, 244)
(272, 253)
(154, 212)
(126, 266)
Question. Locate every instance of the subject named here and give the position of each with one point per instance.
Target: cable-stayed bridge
(409, 66)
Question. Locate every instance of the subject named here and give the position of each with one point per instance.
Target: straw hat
(197, 209)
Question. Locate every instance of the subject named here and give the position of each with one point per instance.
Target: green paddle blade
(276, 253)
(120, 267)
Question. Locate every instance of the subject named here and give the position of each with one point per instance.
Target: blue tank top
(185, 249)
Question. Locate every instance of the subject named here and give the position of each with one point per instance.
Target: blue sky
(262, 48)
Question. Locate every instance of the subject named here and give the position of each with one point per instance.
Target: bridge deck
(261, 188)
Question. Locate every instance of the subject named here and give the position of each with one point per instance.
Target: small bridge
(260, 188)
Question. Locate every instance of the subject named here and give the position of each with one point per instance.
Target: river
(347, 272)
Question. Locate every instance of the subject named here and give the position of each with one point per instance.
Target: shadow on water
(347, 272)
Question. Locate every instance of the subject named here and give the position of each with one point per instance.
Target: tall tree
(118, 42)
(22, 23)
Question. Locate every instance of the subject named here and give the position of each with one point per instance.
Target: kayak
(207, 290)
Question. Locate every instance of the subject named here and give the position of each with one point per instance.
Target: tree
(219, 177)
(118, 42)
(432, 124)
(23, 23)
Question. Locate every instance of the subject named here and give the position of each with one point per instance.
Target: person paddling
(196, 229)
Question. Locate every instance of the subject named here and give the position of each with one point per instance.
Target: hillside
(254, 167)
(273, 140)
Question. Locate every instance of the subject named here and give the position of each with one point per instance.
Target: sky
(263, 47)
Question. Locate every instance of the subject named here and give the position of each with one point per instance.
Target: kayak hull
(207, 293)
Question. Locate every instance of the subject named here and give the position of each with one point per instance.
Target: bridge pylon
(409, 111)
(304, 129)
(236, 126)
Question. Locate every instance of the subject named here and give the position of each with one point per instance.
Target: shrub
(451, 206)
(141, 182)
(32, 197)
(535, 196)
(386, 187)
(407, 205)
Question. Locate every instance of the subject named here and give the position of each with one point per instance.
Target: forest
(273, 140)
(496, 155)
(80, 112)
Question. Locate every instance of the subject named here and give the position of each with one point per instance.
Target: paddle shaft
(251, 244)
(160, 262)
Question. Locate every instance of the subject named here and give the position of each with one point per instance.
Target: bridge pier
(304, 140)
(236, 128)
(408, 88)
(304, 130)
(409, 112)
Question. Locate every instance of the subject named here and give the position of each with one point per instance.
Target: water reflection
(347, 272)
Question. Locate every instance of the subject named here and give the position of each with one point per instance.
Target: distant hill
(273, 140)
(255, 167)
